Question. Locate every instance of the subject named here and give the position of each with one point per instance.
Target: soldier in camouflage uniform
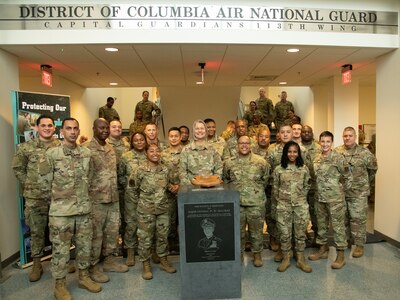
(363, 167)
(68, 169)
(35, 188)
(148, 107)
(138, 124)
(120, 146)
(107, 111)
(291, 184)
(249, 173)
(230, 149)
(152, 180)
(170, 157)
(248, 114)
(185, 132)
(217, 142)
(296, 128)
(266, 107)
(199, 158)
(282, 109)
(257, 126)
(151, 133)
(313, 149)
(129, 162)
(103, 192)
(229, 131)
(263, 139)
(332, 179)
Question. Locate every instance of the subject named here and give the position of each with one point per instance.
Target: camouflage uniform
(266, 107)
(170, 158)
(147, 107)
(226, 135)
(137, 126)
(281, 111)
(218, 143)
(36, 189)
(103, 193)
(152, 184)
(69, 173)
(230, 149)
(363, 167)
(108, 113)
(128, 165)
(250, 175)
(332, 179)
(313, 150)
(263, 152)
(199, 160)
(290, 188)
(253, 130)
(248, 116)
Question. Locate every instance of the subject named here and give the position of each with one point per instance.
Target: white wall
(367, 106)
(301, 97)
(387, 204)
(9, 240)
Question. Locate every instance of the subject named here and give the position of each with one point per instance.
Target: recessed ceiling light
(292, 50)
(113, 83)
(282, 82)
(111, 49)
(200, 82)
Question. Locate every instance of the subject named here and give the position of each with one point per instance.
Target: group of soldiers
(92, 194)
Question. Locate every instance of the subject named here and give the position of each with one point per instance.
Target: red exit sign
(47, 75)
(346, 77)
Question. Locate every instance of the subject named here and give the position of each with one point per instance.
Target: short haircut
(110, 99)
(152, 124)
(184, 126)
(145, 92)
(44, 117)
(349, 128)
(284, 125)
(326, 133)
(116, 119)
(174, 129)
(285, 158)
(208, 120)
(135, 133)
(69, 119)
(242, 120)
(147, 147)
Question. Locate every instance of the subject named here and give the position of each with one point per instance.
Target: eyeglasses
(244, 143)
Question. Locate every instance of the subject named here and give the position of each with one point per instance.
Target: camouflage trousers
(153, 228)
(62, 229)
(311, 199)
(269, 219)
(289, 218)
(331, 213)
(36, 217)
(253, 217)
(130, 214)
(356, 219)
(121, 194)
(106, 221)
(173, 216)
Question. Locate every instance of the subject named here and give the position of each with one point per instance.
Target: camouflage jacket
(253, 130)
(248, 116)
(363, 167)
(170, 158)
(230, 149)
(218, 144)
(68, 170)
(333, 177)
(152, 185)
(281, 112)
(103, 188)
(291, 185)
(199, 160)
(137, 126)
(266, 107)
(26, 163)
(108, 113)
(250, 176)
(120, 147)
(256, 149)
(128, 163)
(147, 107)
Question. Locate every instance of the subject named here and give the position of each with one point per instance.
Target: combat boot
(37, 270)
(339, 262)
(322, 253)
(165, 265)
(279, 255)
(155, 258)
(257, 260)
(301, 263)
(273, 243)
(146, 274)
(285, 263)
(97, 274)
(130, 258)
(111, 265)
(358, 251)
(60, 290)
(85, 282)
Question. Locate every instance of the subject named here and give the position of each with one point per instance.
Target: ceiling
(138, 65)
